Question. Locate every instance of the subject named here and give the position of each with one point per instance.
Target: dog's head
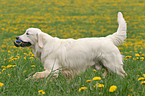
(31, 37)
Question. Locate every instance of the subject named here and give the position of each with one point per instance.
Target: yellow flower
(128, 56)
(41, 91)
(25, 58)
(137, 55)
(143, 82)
(144, 75)
(82, 88)
(88, 81)
(31, 57)
(1, 84)
(3, 69)
(97, 78)
(24, 71)
(112, 88)
(142, 58)
(94, 70)
(2, 66)
(141, 78)
(32, 65)
(131, 90)
(99, 85)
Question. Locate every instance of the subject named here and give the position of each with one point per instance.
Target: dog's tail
(119, 37)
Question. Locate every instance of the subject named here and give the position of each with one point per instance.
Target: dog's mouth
(26, 44)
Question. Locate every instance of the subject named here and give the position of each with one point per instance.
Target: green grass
(70, 19)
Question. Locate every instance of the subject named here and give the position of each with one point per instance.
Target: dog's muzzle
(24, 44)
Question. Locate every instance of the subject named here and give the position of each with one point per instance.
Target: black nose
(17, 38)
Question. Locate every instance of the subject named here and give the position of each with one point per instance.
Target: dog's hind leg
(113, 62)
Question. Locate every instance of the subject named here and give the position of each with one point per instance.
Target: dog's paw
(37, 75)
(28, 78)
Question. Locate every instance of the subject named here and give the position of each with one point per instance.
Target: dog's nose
(17, 38)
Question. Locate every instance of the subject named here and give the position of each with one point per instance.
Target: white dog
(75, 55)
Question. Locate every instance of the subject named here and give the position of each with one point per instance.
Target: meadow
(71, 19)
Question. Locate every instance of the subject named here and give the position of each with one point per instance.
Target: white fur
(75, 55)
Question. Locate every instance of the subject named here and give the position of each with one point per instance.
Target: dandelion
(82, 88)
(32, 65)
(142, 58)
(137, 55)
(112, 88)
(99, 85)
(1, 84)
(97, 78)
(141, 78)
(88, 81)
(144, 75)
(31, 57)
(24, 71)
(131, 90)
(41, 92)
(143, 82)
(2, 66)
(3, 69)
(94, 70)
(25, 58)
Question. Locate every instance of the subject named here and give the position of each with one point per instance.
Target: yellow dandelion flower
(9, 74)
(1, 84)
(13, 65)
(137, 55)
(25, 58)
(128, 56)
(24, 71)
(100, 85)
(8, 66)
(3, 69)
(144, 75)
(143, 82)
(82, 88)
(141, 78)
(131, 90)
(31, 57)
(142, 58)
(32, 65)
(41, 92)
(2, 66)
(112, 88)
(88, 81)
(97, 78)
(94, 70)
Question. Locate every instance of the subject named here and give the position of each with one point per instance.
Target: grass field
(70, 19)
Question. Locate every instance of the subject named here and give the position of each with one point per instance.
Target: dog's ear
(41, 40)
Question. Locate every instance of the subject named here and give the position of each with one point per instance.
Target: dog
(76, 55)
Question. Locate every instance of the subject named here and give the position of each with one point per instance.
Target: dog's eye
(27, 33)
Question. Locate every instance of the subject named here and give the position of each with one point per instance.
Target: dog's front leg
(40, 75)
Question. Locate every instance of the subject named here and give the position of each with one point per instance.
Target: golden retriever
(75, 55)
